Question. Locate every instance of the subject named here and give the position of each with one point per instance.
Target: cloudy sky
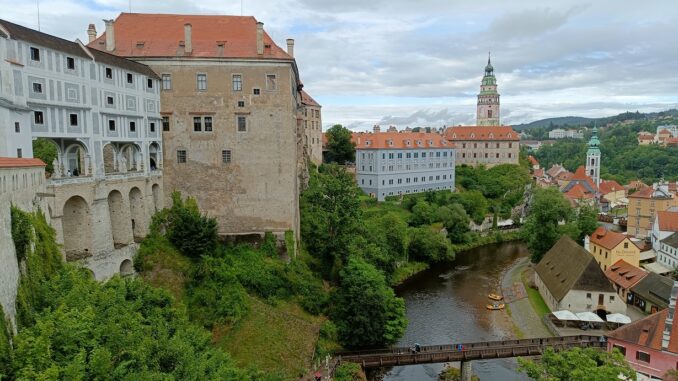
(410, 63)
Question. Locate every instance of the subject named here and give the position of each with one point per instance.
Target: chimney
(110, 36)
(260, 38)
(188, 43)
(290, 47)
(92, 32)
(376, 128)
(668, 324)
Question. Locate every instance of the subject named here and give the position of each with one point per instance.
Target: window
(588, 295)
(109, 73)
(109, 100)
(611, 298)
(152, 127)
(70, 63)
(165, 123)
(111, 125)
(256, 91)
(149, 83)
(19, 153)
(38, 117)
(37, 87)
(626, 245)
(35, 54)
(621, 349)
(271, 82)
(181, 156)
(208, 123)
(130, 78)
(197, 123)
(202, 82)
(226, 156)
(237, 82)
(242, 124)
(132, 126)
(241, 103)
(166, 82)
(642, 356)
(73, 119)
(17, 127)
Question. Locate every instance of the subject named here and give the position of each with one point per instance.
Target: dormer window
(473, 136)
(509, 135)
(367, 142)
(491, 135)
(390, 142)
(454, 135)
(140, 44)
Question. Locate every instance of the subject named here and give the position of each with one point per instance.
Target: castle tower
(593, 158)
(488, 99)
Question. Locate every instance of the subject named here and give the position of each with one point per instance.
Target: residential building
(644, 205)
(650, 345)
(489, 146)
(487, 113)
(613, 192)
(101, 113)
(652, 293)
(646, 138)
(623, 276)
(559, 133)
(534, 163)
(313, 128)
(393, 164)
(568, 277)
(231, 108)
(608, 247)
(580, 188)
(665, 223)
(532, 145)
(667, 253)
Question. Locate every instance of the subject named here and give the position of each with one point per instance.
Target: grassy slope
(276, 339)
(164, 266)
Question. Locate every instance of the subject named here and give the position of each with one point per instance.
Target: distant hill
(560, 121)
(574, 121)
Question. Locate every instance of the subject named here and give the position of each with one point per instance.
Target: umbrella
(565, 315)
(589, 316)
(618, 318)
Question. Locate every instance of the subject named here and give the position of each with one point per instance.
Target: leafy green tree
(428, 245)
(587, 221)
(550, 217)
(390, 232)
(579, 364)
(456, 222)
(475, 204)
(349, 372)
(189, 231)
(45, 150)
(365, 309)
(422, 214)
(340, 147)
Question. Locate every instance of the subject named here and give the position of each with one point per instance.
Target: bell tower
(593, 158)
(488, 99)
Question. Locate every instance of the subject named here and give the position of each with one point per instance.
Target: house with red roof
(484, 145)
(665, 223)
(646, 138)
(613, 192)
(623, 276)
(533, 162)
(608, 247)
(644, 205)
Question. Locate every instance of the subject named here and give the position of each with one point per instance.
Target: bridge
(465, 352)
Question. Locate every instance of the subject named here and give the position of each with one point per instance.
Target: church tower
(488, 99)
(593, 158)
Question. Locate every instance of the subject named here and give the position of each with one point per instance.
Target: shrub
(189, 231)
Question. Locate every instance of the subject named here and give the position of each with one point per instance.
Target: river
(446, 304)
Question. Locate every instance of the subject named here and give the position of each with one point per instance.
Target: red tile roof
(668, 221)
(539, 172)
(648, 332)
(532, 160)
(481, 133)
(308, 100)
(13, 162)
(580, 175)
(625, 274)
(608, 186)
(577, 192)
(646, 192)
(645, 137)
(555, 170)
(158, 35)
(606, 238)
(399, 140)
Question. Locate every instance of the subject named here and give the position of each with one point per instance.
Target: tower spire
(488, 58)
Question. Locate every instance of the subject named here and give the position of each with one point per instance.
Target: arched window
(489, 113)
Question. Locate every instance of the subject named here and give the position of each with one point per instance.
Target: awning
(565, 315)
(618, 318)
(648, 255)
(656, 268)
(589, 316)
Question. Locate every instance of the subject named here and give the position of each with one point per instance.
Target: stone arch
(157, 200)
(109, 152)
(119, 219)
(74, 160)
(131, 153)
(77, 228)
(137, 212)
(126, 268)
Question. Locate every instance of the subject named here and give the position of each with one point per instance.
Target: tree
(189, 231)
(428, 245)
(422, 214)
(549, 218)
(456, 222)
(587, 221)
(340, 147)
(579, 364)
(45, 150)
(365, 309)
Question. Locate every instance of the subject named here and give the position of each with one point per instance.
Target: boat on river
(495, 306)
(495, 297)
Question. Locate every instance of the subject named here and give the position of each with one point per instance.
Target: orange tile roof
(645, 192)
(608, 186)
(532, 160)
(635, 184)
(13, 162)
(539, 172)
(668, 221)
(580, 175)
(578, 192)
(555, 170)
(607, 238)
(158, 35)
(625, 274)
(308, 100)
(481, 133)
(564, 176)
(645, 136)
(399, 140)
(648, 332)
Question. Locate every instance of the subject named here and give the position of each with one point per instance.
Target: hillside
(573, 121)
(552, 122)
